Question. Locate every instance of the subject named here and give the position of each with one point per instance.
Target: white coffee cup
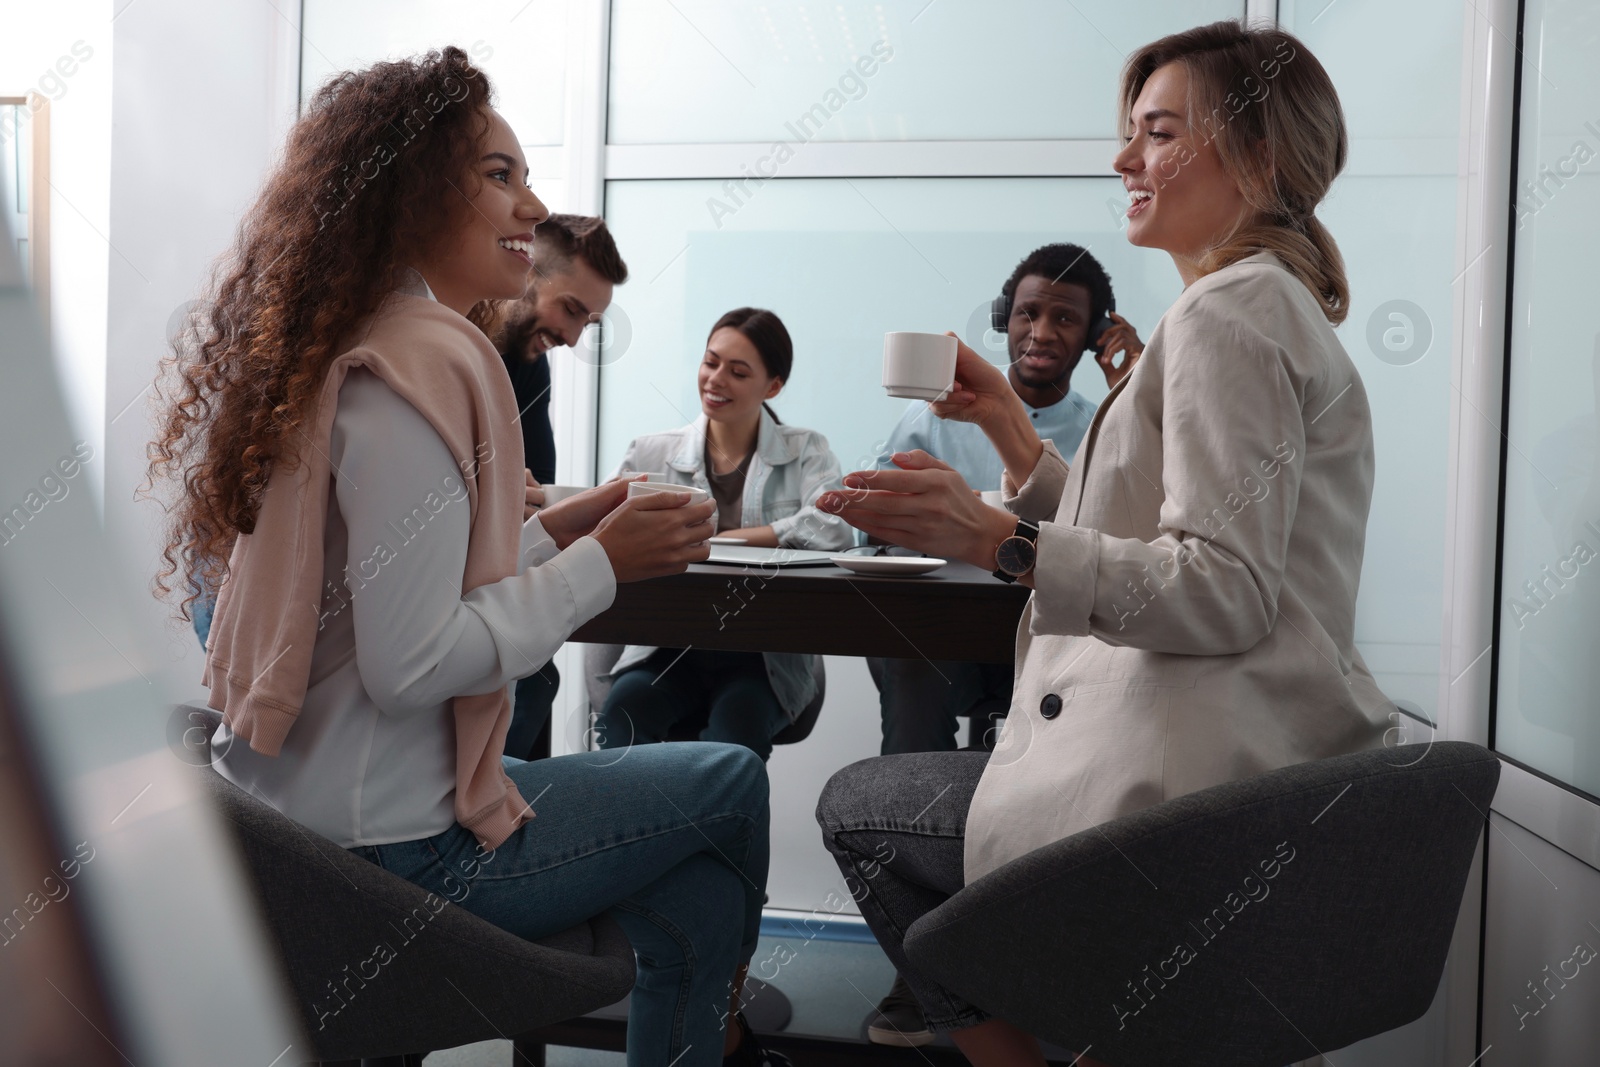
(638, 489)
(994, 498)
(918, 366)
(552, 493)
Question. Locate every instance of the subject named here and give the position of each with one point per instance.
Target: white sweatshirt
(371, 759)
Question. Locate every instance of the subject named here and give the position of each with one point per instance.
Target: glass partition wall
(826, 210)
(1549, 605)
(1543, 885)
(520, 44)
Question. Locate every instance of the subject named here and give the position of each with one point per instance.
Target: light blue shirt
(964, 446)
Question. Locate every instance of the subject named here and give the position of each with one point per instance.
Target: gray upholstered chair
(449, 978)
(1251, 924)
(599, 659)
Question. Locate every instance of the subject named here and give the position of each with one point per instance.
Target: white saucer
(898, 565)
(728, 540)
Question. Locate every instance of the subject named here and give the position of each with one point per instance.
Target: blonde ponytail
(1269, 107)
(1306, 249)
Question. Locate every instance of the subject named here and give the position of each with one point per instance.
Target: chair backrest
(380, 967)
(599, 659)
(1251, 924)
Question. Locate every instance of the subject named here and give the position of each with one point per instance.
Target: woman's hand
(655, 534)
(533, 498)
(567, 520)
(1120, 337)
(981, 393)
(924, 505)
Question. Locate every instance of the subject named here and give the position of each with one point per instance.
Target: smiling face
(1047, 331)
(733, 379)
(487, 252)
(1180, 198)
(563, 304)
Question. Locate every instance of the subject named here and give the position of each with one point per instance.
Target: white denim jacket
(790, 469)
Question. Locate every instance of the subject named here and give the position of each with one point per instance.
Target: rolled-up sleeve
(1038, 497)
(1233, 442)
(809, 527)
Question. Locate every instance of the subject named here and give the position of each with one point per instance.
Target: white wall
(62, 51)
(202, 92)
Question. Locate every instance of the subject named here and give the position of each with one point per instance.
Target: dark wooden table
(957, 613)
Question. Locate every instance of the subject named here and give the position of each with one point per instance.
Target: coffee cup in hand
(553, 493)
(918, 366)
(638, 489)
(696, 496)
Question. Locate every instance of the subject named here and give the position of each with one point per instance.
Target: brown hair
(557, 241)
(560, 239)
(372, 177)
(1261, 97)
(767, 333)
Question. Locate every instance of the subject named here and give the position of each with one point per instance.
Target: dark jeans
(530, 712)
(896, 825)
(726, 691)
(919, 701)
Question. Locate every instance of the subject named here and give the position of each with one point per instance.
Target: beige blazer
(1194, 611)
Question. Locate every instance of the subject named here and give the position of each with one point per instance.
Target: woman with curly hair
(350, 478)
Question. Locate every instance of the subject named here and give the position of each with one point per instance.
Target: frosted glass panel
(841, 262)
(1398, 71)
(708, 71)
(1393, 214)
(520, 44)
(1548, 714)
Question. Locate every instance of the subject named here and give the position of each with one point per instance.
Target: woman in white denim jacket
(766, 478)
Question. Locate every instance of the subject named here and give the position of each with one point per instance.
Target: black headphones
(1000, 318)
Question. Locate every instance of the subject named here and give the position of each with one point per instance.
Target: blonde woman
(1195, 568)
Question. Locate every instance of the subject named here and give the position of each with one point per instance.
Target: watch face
(1015, 556)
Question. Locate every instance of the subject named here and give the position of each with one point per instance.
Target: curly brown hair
(374, 174)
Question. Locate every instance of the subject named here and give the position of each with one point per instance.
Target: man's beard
(1044, 379)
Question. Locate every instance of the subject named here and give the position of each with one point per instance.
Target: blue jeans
(670, 840)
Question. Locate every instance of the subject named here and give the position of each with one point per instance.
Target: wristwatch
(1017, 553)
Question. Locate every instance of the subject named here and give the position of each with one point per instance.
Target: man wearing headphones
(1056, 304)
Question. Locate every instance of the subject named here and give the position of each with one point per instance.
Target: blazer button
(1050, 706)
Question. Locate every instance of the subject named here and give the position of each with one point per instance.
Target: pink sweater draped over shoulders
(264, 627)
